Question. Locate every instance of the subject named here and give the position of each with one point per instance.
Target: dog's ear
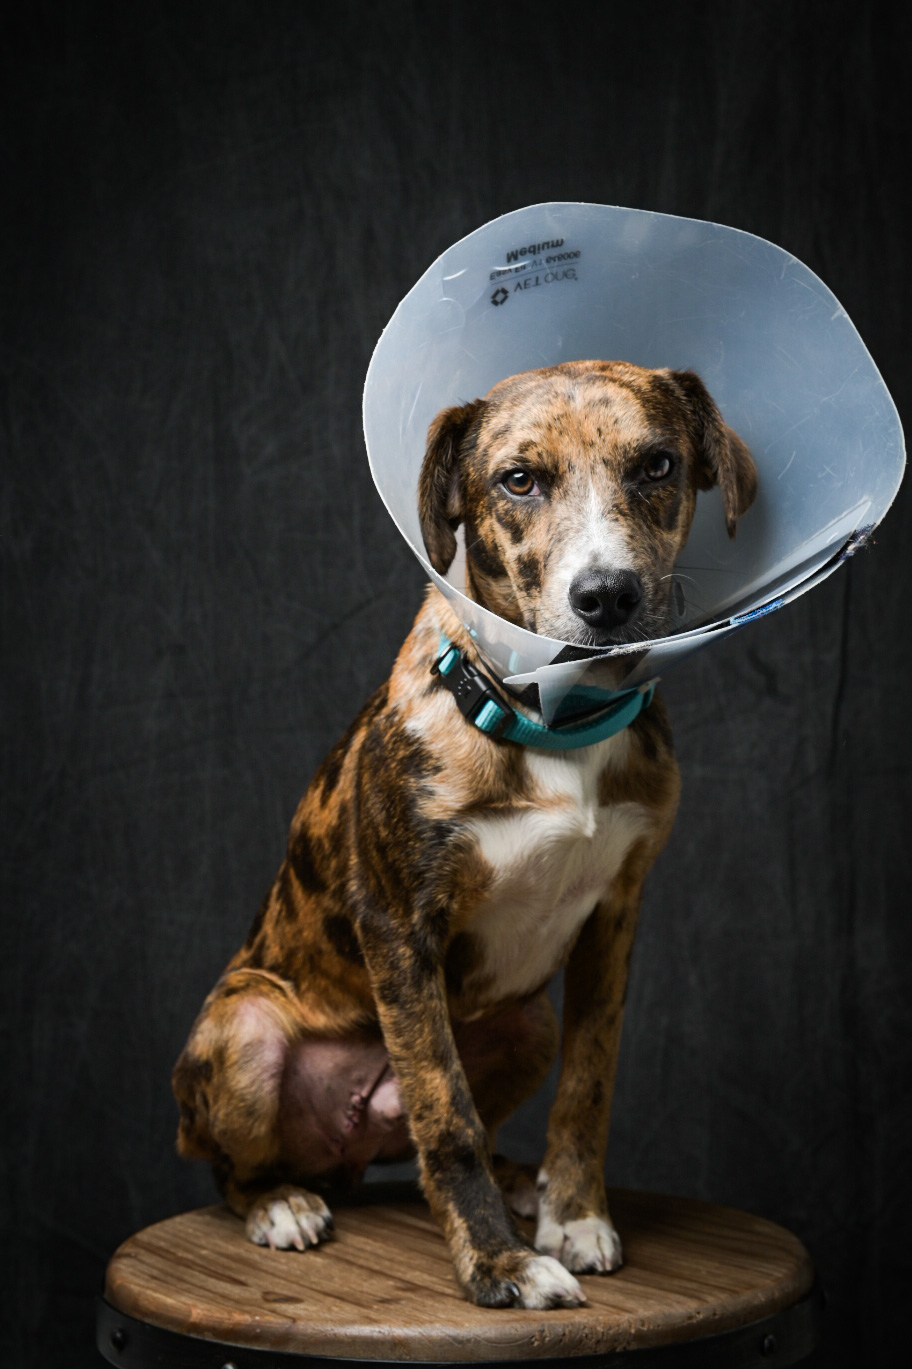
(723, 459)
(440, 499)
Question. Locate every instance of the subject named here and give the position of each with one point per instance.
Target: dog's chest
(550, 862)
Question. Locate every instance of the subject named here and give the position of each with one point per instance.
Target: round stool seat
(702, 1284)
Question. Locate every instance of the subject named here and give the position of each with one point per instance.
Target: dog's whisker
(714, 570)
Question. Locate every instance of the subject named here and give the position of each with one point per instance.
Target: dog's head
(577, 486)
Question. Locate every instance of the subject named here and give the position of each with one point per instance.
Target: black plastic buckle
(471, 690)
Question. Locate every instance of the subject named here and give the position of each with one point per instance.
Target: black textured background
(209, 213)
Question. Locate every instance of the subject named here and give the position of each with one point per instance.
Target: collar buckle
(474, 696)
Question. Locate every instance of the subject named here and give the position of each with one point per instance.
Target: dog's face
(577, 486)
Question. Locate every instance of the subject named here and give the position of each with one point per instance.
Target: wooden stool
(703, 1285)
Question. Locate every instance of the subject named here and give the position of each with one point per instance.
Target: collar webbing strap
(483, 707)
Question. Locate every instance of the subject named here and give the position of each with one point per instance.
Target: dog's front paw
(289, 1218)
(589, 1245)
(520, 1279)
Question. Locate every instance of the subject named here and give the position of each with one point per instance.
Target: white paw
(546, 1283)
(289, 1219)
(587, 1246)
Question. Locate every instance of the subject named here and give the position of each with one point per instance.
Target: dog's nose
(606, 598)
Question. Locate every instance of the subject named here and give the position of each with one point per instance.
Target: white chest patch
(551, 863)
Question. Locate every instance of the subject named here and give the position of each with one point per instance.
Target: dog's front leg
(494, 1265)
(573, 1222)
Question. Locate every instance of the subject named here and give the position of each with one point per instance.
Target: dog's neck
(525, 700)
(446, 625)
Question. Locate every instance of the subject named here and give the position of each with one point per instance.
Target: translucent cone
(776, 350)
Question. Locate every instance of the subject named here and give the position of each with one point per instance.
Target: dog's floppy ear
(440, 502)
(723, 459)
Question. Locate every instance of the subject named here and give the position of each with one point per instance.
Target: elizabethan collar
(776, 350)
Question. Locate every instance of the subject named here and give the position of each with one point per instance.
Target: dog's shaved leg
(228, 1084)
(573, 1221)
(494, 1265)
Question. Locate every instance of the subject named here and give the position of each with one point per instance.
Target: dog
(390, 998)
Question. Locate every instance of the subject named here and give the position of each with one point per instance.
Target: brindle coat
(435, 878)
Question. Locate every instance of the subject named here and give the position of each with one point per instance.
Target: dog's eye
(519, 482)
(658, 466)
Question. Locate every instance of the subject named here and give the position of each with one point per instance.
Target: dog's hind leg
(507, 1056)
(228, 1083)
(517, 1183)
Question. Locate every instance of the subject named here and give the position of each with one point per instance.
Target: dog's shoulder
(646, 770)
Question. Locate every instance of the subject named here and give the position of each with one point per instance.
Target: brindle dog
(390, 997)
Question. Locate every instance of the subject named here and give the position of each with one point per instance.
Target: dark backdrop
(210, 213)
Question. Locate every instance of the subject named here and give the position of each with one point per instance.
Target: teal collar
(484, 708)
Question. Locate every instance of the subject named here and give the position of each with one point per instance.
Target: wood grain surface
(384, 1287)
